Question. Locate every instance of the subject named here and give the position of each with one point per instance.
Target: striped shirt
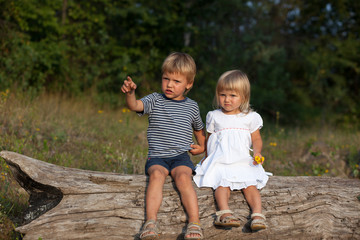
(171, 124)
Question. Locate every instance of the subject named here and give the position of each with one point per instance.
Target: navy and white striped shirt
(171, 124)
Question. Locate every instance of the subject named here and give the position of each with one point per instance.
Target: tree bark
(68, 203)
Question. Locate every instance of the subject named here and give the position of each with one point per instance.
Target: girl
(228, 165)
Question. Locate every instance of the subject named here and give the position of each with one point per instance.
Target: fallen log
(68, 203)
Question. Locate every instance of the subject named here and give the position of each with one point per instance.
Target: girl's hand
(258, 159)
(196, 149)
(129, 86)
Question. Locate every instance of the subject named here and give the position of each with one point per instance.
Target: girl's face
(174, 85)
(229, 101)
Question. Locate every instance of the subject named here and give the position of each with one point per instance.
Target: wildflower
(259, 159)
(100, 111)
(274, 144)
(120, 121)
(124, 110)
(5, 93)
(327, 170)
(37, 129)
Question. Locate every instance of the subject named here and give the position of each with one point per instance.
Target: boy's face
(174, 85)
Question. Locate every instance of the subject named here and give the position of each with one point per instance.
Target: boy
(173, 118)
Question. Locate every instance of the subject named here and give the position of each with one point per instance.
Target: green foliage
(302, 57)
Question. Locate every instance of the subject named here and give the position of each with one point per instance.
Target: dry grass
(81, 134)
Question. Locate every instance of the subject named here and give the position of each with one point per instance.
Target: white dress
(229, 163)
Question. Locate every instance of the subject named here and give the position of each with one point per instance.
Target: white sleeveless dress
(229, 163)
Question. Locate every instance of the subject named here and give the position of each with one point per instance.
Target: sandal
(193, 228)
(228, 221)
(258, 224)
(148, 232)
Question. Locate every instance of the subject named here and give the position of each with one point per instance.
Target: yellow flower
(100, 111)
(37, 129)
(120, 121)
(274, 144)
(326, 171)
(259, 160)
(124, 110)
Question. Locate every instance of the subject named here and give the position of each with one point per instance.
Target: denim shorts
(171, 162)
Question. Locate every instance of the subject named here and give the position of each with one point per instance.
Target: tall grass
(80, 133)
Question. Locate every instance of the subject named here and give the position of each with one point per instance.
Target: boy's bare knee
(158, 173)
(182, 181)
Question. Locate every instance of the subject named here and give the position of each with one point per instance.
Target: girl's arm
(257, 144)
(200, 139)
(129, 89)
(207, 139)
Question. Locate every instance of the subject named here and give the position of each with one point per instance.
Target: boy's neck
(177, 100)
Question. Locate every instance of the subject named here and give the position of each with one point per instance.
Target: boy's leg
(157, 176)
(182, 176)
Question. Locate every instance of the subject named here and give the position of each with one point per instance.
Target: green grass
(79, 133)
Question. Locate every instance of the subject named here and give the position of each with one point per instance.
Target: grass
(80, 133)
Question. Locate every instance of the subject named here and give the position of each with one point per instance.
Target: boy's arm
(200, 139)
(256, 143)
(206, 150)
(129, 89)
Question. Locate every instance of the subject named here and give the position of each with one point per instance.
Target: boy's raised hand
(129, 86)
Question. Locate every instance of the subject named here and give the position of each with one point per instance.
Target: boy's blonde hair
(181, 63)
(235, 80)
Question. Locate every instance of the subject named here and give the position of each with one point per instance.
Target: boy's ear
(189, 86)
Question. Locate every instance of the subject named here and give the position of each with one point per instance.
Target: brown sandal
(228, 221)
(148, 232)
(193, 228)
(258, 224)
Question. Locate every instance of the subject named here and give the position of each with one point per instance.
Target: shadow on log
(68, 203)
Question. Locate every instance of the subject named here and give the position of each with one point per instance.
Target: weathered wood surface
(97, 205)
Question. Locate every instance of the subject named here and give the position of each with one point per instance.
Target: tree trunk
(68, 203)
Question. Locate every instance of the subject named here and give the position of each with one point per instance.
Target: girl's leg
(222, 195)
(182, 176)
(253, 198)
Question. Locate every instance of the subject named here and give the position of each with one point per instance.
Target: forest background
(302, 57)
(62, 63)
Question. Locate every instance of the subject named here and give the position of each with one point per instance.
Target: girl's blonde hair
(181, 63)
(235, 80)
